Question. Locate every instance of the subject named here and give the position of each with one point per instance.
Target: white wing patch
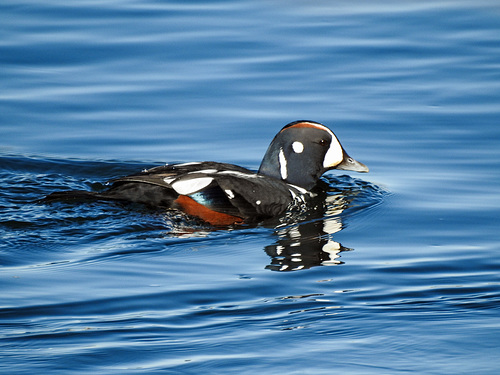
(239, 174)
(191, 185)
(205, 171)
(189, 163)
(169, 180)
(229, 193)
(283, 168)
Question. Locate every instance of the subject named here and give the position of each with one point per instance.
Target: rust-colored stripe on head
(191, 207)
(306, 124)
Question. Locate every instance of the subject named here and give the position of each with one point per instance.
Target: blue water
(91, 90)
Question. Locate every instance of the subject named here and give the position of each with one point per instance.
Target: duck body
(222, 194)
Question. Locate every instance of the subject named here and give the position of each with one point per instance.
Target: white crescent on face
(334, 155)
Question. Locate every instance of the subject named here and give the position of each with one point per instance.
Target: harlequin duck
(223, 194)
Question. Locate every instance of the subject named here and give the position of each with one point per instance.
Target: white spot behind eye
(297, 147)
(240, 174)
(282, 161)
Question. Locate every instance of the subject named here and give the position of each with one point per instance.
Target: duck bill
(349, 164)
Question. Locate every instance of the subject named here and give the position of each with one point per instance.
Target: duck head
(302, 151)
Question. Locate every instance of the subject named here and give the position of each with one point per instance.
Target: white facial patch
(297, 147)
(282, 161)
(334, 155)
(191, 185)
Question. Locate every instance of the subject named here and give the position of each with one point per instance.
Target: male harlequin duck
(224, 194)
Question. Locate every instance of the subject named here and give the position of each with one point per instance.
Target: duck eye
(323, 142)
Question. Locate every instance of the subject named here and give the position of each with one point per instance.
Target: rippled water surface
(397, 272)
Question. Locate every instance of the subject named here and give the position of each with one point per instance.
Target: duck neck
(275, 165)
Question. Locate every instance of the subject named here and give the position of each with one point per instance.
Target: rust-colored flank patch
(191, 207)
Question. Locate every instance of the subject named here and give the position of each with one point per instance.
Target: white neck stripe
(283, 168)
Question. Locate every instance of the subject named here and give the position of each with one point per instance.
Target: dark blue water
(400, 273)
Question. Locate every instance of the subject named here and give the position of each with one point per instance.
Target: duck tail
(71, 195)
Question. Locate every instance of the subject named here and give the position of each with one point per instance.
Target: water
(94, 90)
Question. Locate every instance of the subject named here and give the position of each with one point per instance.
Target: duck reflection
(303, 237)
(306, 245)
(309, 243)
